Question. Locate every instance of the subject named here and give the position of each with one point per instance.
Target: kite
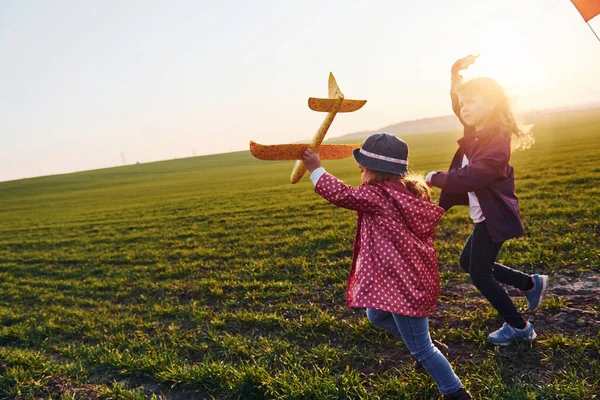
(332, 105)
(588, 10)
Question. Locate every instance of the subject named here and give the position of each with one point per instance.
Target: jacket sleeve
(486, 168)
(361, 198)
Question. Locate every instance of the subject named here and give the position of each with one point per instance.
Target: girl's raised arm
(362, 198)
(456, 80)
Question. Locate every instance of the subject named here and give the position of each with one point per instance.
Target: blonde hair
(502, 113)
(413, 182)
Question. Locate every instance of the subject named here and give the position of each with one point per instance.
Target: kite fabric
(587, 8)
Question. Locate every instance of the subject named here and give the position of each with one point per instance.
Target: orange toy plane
(332, 105)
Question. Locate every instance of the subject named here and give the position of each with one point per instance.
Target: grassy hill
(213, 277)
(450, 123)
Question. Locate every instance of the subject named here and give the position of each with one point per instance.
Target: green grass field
(213, 277)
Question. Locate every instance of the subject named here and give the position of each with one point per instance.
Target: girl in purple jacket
(481, 177)
(394, 272)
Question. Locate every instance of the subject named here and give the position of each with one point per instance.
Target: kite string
(588, 24)
(549, 9)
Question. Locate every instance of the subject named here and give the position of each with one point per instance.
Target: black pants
(478, 259)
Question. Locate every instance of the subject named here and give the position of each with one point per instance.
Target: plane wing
(326, 105)
(294, 151)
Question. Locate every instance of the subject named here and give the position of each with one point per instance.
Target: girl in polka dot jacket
(394, 272)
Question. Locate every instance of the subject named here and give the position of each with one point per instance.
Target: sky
(88, 84)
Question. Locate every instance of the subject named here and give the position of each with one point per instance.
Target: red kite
(588, 10)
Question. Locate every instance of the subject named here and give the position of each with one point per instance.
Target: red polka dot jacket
(394, 264)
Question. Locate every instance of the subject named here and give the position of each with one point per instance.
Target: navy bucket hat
(383, 152)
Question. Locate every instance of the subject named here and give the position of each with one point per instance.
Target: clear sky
(83, 82)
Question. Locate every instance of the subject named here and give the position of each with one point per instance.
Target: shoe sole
(544, 284)
(528, 339)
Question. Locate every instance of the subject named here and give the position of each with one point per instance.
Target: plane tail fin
(334, 90)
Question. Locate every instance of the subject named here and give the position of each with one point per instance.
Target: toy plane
(332, 105)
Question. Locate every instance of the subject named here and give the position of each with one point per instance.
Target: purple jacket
(489, 175)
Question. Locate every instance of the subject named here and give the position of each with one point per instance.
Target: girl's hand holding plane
(311, 159)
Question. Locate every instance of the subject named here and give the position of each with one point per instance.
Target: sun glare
(509, 57)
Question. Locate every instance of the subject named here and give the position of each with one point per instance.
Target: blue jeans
(415, 334)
